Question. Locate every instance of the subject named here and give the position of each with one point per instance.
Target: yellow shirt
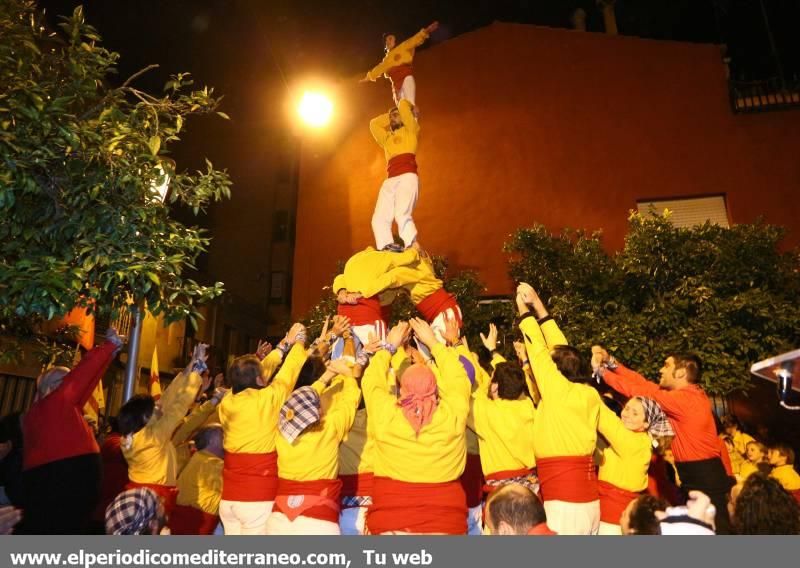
(314, 454)
(626, 459)
(401, 54)
(355, 451)
(151, 456)
(270, 363)
(787, 477)
(439, 453)
(180, 439)
(473, 446)
(249, 418)
(200, 483)
(748, 468)
(567, 416)
(419, 279)
(371, 271)
(401, 140)
(740, 441)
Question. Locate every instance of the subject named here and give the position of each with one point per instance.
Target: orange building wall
(522, 124)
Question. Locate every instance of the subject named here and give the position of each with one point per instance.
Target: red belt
(796, 495)
(318, 499)
(472, 480)
(570, 478)
(190, 520)
(401, 164)
(437, 303)
(250, 477)
(417, 507)
(366, 312)
(398, 74)
(613, 501)
(168, 492)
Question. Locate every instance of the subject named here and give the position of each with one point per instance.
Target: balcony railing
(762, 96)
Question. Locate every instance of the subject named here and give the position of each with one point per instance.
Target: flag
(155, 380)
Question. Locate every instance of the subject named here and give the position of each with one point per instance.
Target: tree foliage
(729, 295)
(81, 222)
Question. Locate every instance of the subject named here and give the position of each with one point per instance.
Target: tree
(730, 295)
(81, 220)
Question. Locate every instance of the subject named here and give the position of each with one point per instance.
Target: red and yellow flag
(155, 379)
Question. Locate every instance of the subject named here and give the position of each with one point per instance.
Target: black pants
(61, 495)
(710, 477)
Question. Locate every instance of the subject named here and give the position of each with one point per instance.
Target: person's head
(756, 452)
(764, 507)
(209, 439)
(730, 424)
(418, 396)
(136, 511)
(681, 370)
(312, 369)
(135, 413)
(633, 415)
(50, 380)
(508, 382)
(780, 454)
(245, 373)
(513, 509)
(729, 444)
(571, 364)
(395, 121)
(389, 41)
(639, 517)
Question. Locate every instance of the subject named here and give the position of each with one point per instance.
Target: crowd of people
(404, 430)
(369, 430)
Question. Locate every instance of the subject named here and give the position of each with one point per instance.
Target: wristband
(611, 363)
(390, 347)
(199, 367)
(283, 347)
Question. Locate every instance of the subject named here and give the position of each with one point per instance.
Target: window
(690, 211)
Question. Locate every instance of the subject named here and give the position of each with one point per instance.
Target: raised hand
(599, 356)
(341, 324)
(373, 346)
(432, 27)
(339, 367)
(115, 338)
(397, 335)
(522, 353)
(345, 297)
(423, 332)
(452, 331)
(263, 349)
(531, 298)
(297, 334)
(200, 353)
(490, 340)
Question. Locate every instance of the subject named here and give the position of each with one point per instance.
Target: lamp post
(161, 186)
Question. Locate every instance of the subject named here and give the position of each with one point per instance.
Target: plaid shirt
(298, 413)
(132, 511)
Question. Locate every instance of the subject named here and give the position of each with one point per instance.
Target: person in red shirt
(514, 509)
(61, 458)
(698, 455)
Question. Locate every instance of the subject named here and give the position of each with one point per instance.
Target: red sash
(472, 480)
(357, 485)
(796, 495)
(317, 499)
(437, 303)
(398, 74)
(168, 493)
(250, 477)
(189, 520)
(401, 164)
(366, 312)
(613, 501)
(570, 478)
(420, 508)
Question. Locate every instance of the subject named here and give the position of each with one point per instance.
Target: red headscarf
(418, 396)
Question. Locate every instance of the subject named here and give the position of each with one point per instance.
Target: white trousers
(607, 529)
(407, 91)
(245, 517)
(278, 524)
(396, 201)
(573, 518)
(438, 324)
(352, 521)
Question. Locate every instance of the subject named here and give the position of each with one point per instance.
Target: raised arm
(375, 387)
(630, 383)
(406, 112)
(381, 68)
(283, 383)
(78, 385)
(416, 40)
(622, 440)
(270, 363)
(379, 127)
(175, 403)
(195, 420)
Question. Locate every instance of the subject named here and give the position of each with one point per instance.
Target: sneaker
(394, 247)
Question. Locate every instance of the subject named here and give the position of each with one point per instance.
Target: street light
(315, 109)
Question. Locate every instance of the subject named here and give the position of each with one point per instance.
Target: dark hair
(691, 363)
(517, 506)
(205, 435)
(643, 519)
(312, 369)
(570, 363)
(764, 507)
(244, 373)
(135, 413)
(510, 380)
(387, 34)
(784, 450)
(730, 421)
